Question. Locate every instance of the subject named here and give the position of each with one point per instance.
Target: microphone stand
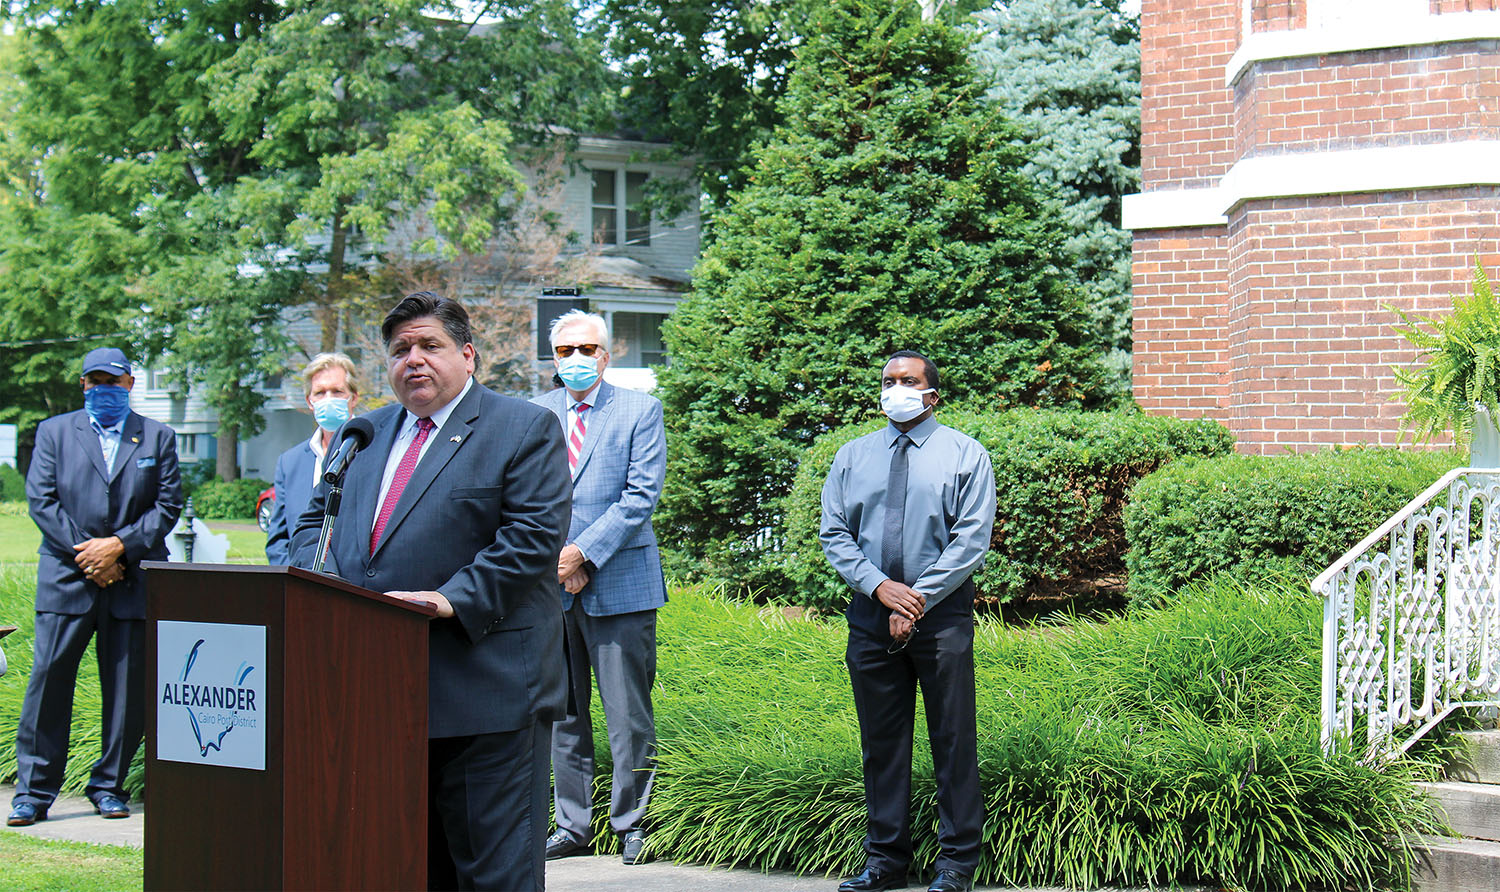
(330, 513)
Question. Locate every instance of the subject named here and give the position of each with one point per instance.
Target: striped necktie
(576, 435)
(398, 482)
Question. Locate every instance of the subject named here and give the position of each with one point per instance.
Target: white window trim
(1349, 171)
(1373, 33)
(622, 231)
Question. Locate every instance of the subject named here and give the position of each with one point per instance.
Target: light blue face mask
(578, 372)
(331, 412)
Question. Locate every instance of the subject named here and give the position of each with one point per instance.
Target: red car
(265, 504)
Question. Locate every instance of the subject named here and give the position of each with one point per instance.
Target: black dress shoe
(630, 848)
(872, 880)
(24, 814)
(951, 881)
(561, 845)
(111, 807)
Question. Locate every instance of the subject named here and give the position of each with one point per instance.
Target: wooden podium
(341, 802)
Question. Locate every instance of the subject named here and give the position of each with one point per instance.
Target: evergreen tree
(889, 212)
(1069, 72)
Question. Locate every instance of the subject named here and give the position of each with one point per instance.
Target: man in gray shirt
(907, 514)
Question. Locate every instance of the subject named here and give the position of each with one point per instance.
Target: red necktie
(575, 439)
(398, 483)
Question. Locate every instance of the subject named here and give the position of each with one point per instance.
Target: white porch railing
(1411, 618)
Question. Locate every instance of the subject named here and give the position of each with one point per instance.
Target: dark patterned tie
(892, 561)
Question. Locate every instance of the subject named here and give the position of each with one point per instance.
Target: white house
(637, 269)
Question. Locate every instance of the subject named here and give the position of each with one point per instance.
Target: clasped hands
(907, 606)
(570, 570)
(99, 559)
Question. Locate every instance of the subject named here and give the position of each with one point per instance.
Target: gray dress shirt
(950, 509)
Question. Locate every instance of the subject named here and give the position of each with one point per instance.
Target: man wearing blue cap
(104, 489)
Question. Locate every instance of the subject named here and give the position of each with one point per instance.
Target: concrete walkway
(72, 818)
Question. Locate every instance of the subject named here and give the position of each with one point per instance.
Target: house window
(187, 444)
(617, 204)
(637, 339)
(606, 225)
(637, 221)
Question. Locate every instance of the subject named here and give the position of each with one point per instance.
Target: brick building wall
(1300, 181)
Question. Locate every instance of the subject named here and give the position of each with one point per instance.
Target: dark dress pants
(941, 660)
(487, 815)
(47, 711)
(619, 651)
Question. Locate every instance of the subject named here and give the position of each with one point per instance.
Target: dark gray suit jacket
(72, 498)
(481, 521)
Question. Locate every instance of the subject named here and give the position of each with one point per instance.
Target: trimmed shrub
(227, 498)
(1061, 479)
(1194, 518)
(12, 485)
(194, 475)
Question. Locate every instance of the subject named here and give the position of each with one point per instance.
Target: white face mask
(901, 403)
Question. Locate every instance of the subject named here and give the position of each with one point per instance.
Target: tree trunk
(330, 312)
(226, 464)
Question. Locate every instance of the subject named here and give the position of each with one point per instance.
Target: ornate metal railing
(1411, 618)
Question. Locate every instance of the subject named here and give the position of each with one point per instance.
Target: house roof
(620, 271)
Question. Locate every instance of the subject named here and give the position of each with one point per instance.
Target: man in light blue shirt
(907, 516)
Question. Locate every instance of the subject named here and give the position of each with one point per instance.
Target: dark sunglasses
(566, 350)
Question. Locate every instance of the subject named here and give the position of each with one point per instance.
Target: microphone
(353, 436)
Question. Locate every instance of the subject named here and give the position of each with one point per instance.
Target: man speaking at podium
(461, 501)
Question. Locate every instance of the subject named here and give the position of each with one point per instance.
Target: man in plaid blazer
(610, 572)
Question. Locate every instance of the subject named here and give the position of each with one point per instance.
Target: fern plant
(1462, 353)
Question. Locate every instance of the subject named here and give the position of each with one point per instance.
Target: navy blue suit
(481, 521)
(72, 498)
(294, 489)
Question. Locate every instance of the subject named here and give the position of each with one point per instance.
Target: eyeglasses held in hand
(565, 350)
(896, 647)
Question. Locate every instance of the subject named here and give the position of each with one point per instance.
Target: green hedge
(231, 498)
(1194, 518)
(12, 485)
(1061, 480)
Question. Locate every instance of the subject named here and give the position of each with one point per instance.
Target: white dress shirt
(408, 433)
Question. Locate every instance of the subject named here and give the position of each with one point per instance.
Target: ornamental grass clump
(1175, 746)
(1462, 356)
(17, 607)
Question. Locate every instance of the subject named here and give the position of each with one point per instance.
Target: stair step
(1470, 809)
(1456, 865)
(1480, 761)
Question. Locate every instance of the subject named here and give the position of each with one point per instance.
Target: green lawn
(38, 865)
(19, 538)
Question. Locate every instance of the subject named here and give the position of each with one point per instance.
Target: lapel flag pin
(455, 439)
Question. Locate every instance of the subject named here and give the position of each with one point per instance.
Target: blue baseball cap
(106, 359)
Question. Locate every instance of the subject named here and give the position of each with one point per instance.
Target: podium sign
(211, 694)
